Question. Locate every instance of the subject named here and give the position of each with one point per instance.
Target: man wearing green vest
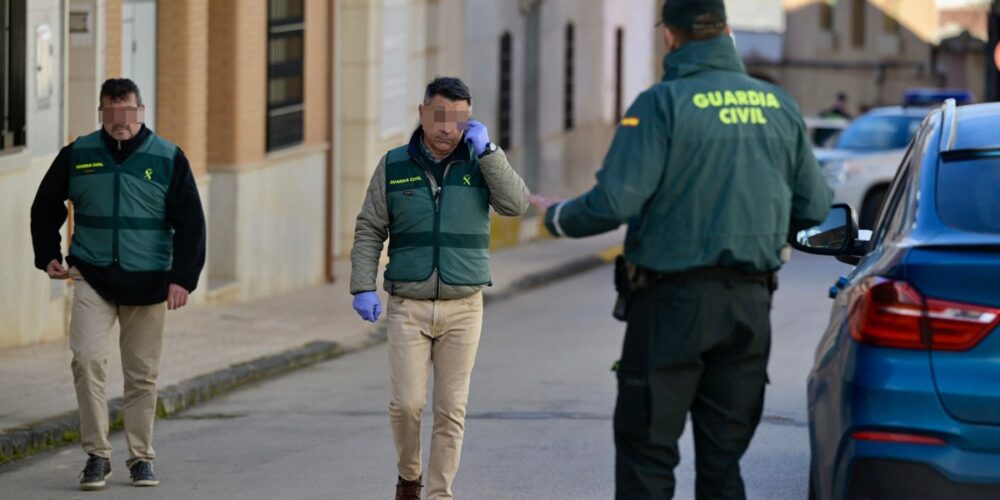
(431, 199)
(138, 248)
(710, 169)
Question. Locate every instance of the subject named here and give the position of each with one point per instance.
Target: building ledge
(15, 162)
(222, 291)
(280, 156)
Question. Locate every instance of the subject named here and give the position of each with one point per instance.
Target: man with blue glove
(431, 199)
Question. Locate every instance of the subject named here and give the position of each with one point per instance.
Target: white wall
(634, 17)
(767, 46)
(259, 212)
(482, 67)
(568, 159)
(45, 124)
(32, 307)
(85, 69)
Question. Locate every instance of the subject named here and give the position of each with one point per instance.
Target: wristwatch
(490, 148)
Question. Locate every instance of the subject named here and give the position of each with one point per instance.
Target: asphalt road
(539, 423)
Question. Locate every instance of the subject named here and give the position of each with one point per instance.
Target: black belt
(712, 273)
(708, 273)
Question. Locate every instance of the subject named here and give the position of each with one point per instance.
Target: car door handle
(838, 286)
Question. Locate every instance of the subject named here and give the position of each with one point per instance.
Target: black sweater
(184, 214)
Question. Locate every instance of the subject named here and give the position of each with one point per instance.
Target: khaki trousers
(140, 342)
(442, 334)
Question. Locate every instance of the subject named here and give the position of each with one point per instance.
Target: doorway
(139, 51)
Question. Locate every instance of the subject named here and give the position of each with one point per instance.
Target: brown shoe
(408, 490)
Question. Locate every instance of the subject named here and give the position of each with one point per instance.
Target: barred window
(506, 86)
(890, 21)
(619, 62)
(858, 22)
(13, 67)
(826, 15)
(285, 56)
(568, 83)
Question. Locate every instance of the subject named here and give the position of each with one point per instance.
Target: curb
(565, 270)
(63, 429)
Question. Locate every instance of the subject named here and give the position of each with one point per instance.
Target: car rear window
(879, 133)
(968, 194)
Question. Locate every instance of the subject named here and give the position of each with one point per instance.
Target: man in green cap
(710, 168)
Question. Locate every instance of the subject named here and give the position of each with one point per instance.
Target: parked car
(904, 393)
(822, 129)
(861, 160)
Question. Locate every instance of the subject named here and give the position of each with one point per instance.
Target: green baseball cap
(682, 13)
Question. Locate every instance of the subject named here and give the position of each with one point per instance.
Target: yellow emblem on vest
(467, 180)
(149, 174)
(396, 182)
(630, 121)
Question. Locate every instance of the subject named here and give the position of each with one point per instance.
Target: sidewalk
(213, 348)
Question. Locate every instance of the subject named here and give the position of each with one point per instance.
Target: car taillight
(959, 327)
(891, 313)
(898, 437)
(887, 313)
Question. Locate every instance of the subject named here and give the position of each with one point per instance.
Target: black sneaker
(143, 475)
(95, 473)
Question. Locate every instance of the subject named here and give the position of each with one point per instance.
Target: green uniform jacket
(710, 167)
(507, 196)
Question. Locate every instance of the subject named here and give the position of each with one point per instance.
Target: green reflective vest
(120, 210)
(444, 228)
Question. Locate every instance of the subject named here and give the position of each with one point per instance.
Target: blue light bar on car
(930, 97)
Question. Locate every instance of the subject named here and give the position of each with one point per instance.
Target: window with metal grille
(13, 55)
(619, 56)
(890, 21)
(826, 15)
(568, 71)
(285, 55)
(506, 63)
(858, 22)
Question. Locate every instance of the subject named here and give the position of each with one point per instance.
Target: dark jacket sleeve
(630, 175)
(186, 217)
(48, 211)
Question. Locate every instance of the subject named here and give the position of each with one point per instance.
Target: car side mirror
(835, 236)
(860, 248)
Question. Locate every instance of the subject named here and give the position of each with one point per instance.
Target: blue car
(904, 394)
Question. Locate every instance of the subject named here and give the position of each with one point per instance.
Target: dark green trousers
(698, 346)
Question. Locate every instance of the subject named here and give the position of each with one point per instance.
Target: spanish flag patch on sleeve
(630, 121)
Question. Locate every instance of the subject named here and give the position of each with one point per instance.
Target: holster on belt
(624, 273)
(632, 280)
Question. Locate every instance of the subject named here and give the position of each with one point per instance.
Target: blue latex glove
(368, 306)
(478, 136)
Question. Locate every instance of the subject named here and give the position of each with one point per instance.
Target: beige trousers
(442, 334)
(140, 341)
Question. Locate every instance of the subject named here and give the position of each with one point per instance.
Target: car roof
(958, 130)
(910, 111)
(976, 126)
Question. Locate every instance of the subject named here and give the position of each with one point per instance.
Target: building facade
(549, 78)
(873, 50)
(284, 108)
(242, 86)
(33, 99)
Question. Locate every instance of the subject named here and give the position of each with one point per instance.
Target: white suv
(863, 158)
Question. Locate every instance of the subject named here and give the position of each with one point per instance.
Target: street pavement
(539, 423)
(36, 382)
